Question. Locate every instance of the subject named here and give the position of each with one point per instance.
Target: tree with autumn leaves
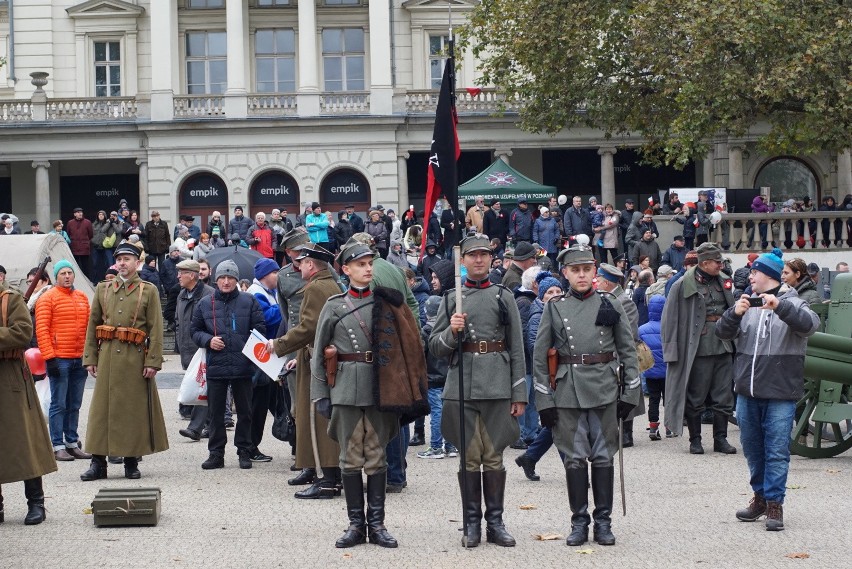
(677, 73)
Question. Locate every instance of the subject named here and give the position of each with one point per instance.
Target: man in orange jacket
(61, 316)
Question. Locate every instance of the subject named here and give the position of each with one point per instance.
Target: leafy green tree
(675, 72)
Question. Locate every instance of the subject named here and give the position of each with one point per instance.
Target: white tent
(20, 253)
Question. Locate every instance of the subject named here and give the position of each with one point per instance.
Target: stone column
(708, 176)
(381, 90)
(735, 166)
(844, 173)
(42, 192)
(503, 153)
(164, 53)
(607, 174)
(307, 100)
(402, 183)
(236, 101)
(144, 212)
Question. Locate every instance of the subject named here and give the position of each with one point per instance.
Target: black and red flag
(442, 177)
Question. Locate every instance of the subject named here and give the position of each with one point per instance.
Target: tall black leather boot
(720, 435)
(353, 488)
(473, 507)
(578, 500)
(324, 487)
(131, 468)
(35, 502)
(376, 491)
(693, 425)
(627, 434)
(602, 488)
(494, 489)
(2, 514)
(97, 469)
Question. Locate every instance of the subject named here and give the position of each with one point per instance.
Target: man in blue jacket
(222, 324)
(521, 223)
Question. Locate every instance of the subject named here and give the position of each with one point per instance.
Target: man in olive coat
(582, 403)
(699, 362)
(25, 441)
(314, 265)
(125, 417)
(494, 384)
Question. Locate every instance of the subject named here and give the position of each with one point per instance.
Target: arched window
(788, 178)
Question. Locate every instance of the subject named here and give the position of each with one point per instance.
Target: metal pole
(463, 445)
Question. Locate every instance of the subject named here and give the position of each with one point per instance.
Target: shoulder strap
(4, 307)
(357, 314)
(138, 303)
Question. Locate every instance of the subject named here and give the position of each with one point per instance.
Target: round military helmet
(576, 255)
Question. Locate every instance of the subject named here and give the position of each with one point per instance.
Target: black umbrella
(244, 258)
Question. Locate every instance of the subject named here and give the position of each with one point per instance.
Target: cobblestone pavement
(680, 514)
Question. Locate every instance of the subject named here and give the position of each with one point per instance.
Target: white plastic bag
(193, 388)
(43, 390)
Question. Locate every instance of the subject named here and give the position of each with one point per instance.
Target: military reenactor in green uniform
(345, 367)
(25, 441)
(699, 362)
(124, 352)
(494, 386)
(577, 388)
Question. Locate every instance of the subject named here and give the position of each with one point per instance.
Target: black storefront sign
(5, 195)
(343, 187)
(274, 189)
(95, 193)
(205, 191)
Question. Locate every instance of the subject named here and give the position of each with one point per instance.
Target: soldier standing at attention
(351, 393)
(577, 389)
(124, 351)
(494, 385)
(699, 362)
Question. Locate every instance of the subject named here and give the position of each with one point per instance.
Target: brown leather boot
(755, 509)
(774, 516)
(78, 453)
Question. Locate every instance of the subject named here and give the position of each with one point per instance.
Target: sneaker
(229, 423)
(245, 461)
(205, 434)
(434, 452)
(519, 444)
(450, 451)
(258, 456)
(213, 461)
(669, 434)
(396, 488)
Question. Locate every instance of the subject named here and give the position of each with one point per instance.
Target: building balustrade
(345, 103)
(92, 109)
(199, 106)
(272, 105)
(15, 111)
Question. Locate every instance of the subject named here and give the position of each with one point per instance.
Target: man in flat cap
(124, 352)
(579, 393)
(699, 362)
(523, 257)
(494, 382)
(314, 263)
(364, 333)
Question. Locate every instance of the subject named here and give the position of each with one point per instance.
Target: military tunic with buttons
(119, 417)
(626, 300)
(291, 287)
(586, 394)
(492, 380)
(362, 431)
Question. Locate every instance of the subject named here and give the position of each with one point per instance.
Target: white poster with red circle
(269, 363)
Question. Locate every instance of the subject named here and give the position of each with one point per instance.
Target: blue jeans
(396, 450)
(436, 404)
(529, 420)
(66, 397)
(765, 426)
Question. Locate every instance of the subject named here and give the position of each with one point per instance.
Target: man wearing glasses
(699, 362)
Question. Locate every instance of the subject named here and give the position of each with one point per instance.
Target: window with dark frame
(107, 69)
(437, 57)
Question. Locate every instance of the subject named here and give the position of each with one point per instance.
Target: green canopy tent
(502, 182)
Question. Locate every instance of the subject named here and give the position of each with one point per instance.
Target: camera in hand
(755, 301)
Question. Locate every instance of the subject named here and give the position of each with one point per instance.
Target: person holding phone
(771, 329)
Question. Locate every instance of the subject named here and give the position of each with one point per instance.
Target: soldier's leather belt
(712, 317)
(364, 357)
(13, 354)
(483, 347)
(587, 358)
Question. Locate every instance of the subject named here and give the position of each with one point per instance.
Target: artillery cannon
(823, 426)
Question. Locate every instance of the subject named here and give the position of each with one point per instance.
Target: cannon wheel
(816, 439)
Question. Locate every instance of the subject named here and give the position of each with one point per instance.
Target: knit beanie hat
(63, 264)
(690, 259)
(263, 267)
(445, 272)
(545, 281)
(770, 264)
(227, 268)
